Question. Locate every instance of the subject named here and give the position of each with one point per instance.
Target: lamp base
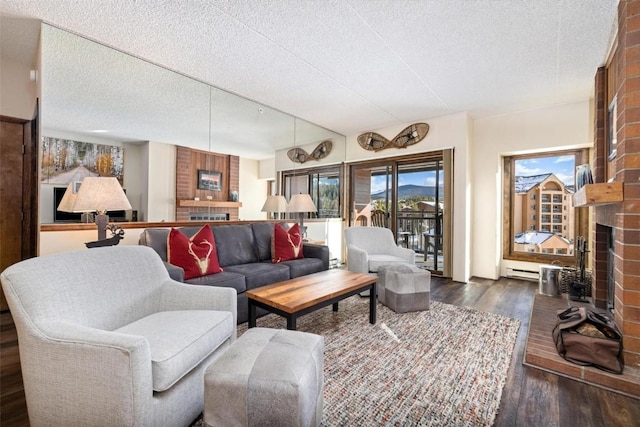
(101, 221)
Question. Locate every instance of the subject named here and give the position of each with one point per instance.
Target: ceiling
(349, 65)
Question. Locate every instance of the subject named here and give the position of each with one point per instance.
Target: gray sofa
(244, 253)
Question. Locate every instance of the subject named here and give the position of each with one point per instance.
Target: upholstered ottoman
(268, 377)
(404, 287)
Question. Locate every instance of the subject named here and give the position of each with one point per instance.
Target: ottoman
(404, 287)
(267, 377)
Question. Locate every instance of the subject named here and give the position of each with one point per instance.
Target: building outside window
(548, 179)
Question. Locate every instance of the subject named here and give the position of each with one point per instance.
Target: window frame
(581, 217)
(310, 173)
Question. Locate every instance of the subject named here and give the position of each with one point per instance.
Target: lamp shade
(275, 203)
(68, 199)
(99, 193)
(301, 203)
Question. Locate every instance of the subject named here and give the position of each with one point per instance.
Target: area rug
(444, 366)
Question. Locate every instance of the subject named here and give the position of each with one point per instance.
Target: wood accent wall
(624, 217)
(188, 162)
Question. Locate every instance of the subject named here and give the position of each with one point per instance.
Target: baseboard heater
(518, 273)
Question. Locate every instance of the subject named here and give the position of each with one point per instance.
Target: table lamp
(275, 204)
(301, 203)
(100, 194)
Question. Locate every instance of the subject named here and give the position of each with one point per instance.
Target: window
(323, 184)
(549, 178)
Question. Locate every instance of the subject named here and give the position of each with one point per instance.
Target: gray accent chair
(369, 248)
(108, 338)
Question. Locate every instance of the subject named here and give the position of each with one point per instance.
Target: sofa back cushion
(262, 232)
(156, 238)
(236, 244)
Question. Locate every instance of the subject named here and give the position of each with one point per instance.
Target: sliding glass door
(409, 196)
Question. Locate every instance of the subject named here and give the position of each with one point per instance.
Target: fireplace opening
(208, 216)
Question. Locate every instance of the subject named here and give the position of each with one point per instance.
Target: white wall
(554, 128)
(17, 92)
(161, 182)
(267, 169)
(253, 191)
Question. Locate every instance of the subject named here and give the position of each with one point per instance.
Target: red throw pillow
(197, 255)
(286, 245)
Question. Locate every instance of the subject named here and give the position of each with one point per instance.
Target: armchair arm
(317, 251)
(408, 254)
(92, 376)
(181, 296)
(357, 259)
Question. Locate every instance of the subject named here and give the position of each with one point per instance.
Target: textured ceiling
(357, 65)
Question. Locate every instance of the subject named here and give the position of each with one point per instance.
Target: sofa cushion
(261, 273)
(180, 340)
(286, 244)
(196, 255)
(226, 279)
(262, 232)
(235, 245)
(304, 266)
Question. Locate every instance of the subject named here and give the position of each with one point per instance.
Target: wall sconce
(100, 194)
(275, 204)
(301, 203)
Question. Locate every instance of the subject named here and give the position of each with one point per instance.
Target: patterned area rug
(444, 366)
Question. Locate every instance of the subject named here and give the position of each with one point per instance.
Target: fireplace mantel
(209, 204)
(598, 194)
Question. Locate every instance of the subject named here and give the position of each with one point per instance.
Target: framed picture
(612, 134)
(209, 180)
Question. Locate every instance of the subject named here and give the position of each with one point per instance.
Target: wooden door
(18, 193)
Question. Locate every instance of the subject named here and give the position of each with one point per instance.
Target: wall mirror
(94, 93)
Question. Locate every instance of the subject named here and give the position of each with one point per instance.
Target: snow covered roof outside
(526, 183)
(532, 237)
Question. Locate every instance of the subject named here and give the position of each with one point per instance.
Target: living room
(479, 143)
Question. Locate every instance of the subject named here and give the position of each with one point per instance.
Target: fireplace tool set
(578, 288)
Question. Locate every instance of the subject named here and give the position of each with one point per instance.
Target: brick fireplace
(616, 262)
(188, 162)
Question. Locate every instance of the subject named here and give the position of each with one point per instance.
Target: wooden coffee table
(297, 297)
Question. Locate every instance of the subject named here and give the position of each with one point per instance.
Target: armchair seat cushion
(180, 340)
(376, 261)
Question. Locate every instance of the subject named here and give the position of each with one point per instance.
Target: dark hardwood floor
(531, 397)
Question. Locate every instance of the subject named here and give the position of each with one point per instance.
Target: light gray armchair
(108, 339)
(371, 247)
